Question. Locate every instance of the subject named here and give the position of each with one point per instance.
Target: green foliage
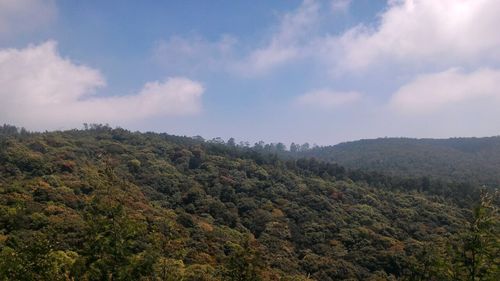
(475, 253)
(30, 256)
(243, 263)
(108, 204)
(474, 160)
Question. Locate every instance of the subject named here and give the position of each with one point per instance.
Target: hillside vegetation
(109, 204)
(474, 160)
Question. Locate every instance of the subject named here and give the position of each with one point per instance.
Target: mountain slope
(108, 204)
(457, 159)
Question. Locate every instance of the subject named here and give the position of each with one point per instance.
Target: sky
(317, 71)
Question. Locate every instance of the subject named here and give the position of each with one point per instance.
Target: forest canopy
(110, 204)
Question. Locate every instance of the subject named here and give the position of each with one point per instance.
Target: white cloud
(190, 54)
(425, 31)
(327, 99)
(408, 32)
(37, 74)
(452, 89)
(25, 15)
(42, 90)
(286, 43)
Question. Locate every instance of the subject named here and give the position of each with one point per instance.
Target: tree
(243, 262)
(231, 142)
(113, 238)
(280, 147)
(304, 147)
(471, 255)
(259, 145)
(476, 253)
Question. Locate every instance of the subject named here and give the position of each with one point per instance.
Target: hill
(474, 160)
(109, 204)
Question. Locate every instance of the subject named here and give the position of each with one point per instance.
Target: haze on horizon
(303, 71)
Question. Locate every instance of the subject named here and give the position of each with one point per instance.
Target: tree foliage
(109, 204)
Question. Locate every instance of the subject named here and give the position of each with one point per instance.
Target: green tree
(243, 263)
(114, 240)
(471, 255)
(477, 251)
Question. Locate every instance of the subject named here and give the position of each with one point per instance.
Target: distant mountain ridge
(455, 159)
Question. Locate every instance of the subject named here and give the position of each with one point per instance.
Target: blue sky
(313, 71)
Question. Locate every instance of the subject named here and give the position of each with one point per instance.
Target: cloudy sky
(313, 71)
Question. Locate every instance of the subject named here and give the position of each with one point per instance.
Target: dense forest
(475, 160)
(109, 204)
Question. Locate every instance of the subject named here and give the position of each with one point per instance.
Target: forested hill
(456, 159)
(109, 204)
